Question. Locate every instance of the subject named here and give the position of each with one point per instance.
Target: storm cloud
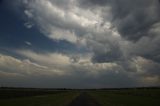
(99, 43)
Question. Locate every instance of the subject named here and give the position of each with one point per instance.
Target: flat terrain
(112, 97)
(56, 98)
(84, 100)
(137, 97)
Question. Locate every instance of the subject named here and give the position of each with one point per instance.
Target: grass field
(108, 97)
(8, 93)
(57, 99)
(134, 97)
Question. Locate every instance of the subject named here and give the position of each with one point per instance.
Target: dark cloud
(147, 47)
(81, 43)
(93, 2)
(133, 19)
(114, 54)
(136, 21)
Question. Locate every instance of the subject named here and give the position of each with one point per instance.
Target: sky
(79, 43)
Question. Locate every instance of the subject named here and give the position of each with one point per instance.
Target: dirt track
(84, 100)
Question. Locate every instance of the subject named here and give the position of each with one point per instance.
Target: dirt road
(84, 100)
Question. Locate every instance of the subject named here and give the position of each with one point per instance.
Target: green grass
(127, 97)
(59, 99)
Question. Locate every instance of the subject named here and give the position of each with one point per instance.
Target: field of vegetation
(130, 97)
(36, 97)
(65, 97)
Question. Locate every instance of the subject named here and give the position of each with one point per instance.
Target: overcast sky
(79, 43)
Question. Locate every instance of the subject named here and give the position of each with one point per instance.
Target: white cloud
(68, 21)
(28, 43)
(67, 65)
(146, 71)
(28, 25)
(9, 64)
(28, 13)
(49, 59)
(102, 31)
(60, 34)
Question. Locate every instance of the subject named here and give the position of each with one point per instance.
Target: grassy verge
(61, 99)
(127, 98)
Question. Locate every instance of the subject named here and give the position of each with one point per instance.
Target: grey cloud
(124, 48)
(106, 53)
(74, 81)
(133, 19)
(147, 69)
(85, 75)
(13, 66)
(147, 47)
(88, 3)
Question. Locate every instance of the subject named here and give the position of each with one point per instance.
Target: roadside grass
(127, 97)
(59, 99)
